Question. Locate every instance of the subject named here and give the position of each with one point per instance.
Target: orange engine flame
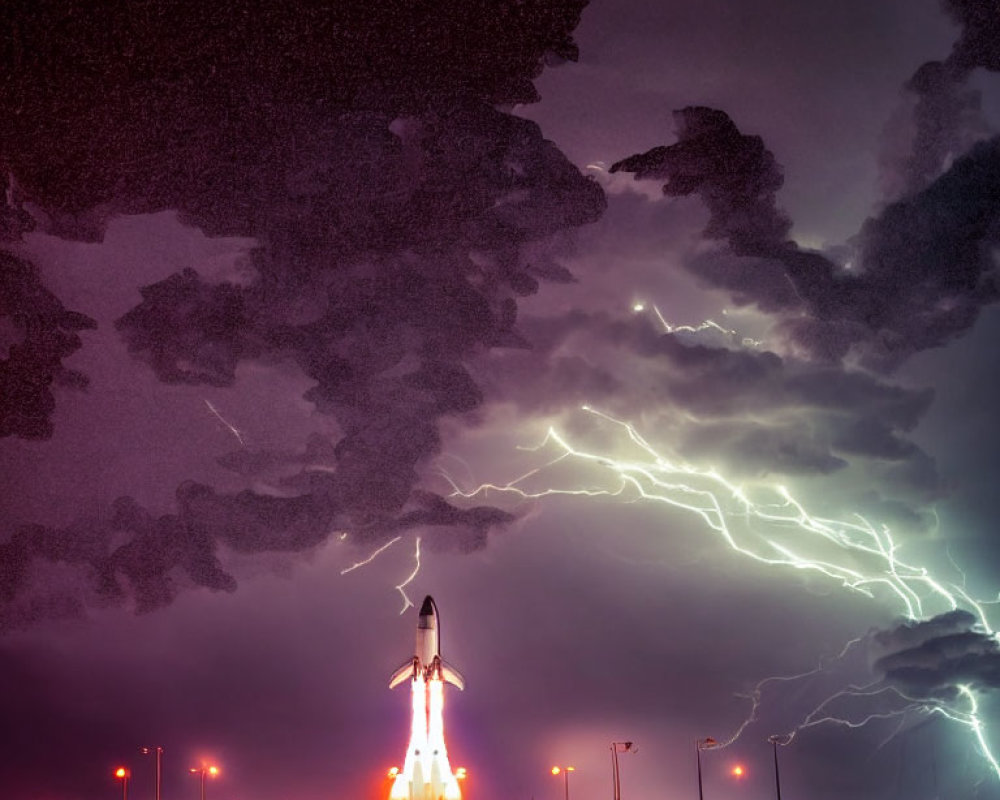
(426, 772)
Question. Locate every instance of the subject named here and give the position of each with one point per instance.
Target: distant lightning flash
(232, 429)
(771, 531)
(706, 325)
(901, 705)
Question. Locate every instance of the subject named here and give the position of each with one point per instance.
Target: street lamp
(775, 741)
(158, 752)
(616, 748)
(699, 745)
(565, 771)
(204, 771)
(123, 774)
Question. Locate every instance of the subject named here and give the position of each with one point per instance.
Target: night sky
(492, 294)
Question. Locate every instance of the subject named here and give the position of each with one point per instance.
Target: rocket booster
(427, 662)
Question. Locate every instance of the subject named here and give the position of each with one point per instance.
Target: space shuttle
(427, 662)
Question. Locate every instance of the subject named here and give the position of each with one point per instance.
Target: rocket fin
(451, 675)
(406, 670)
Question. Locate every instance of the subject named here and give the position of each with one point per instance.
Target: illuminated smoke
(936, 662)
(426, 773)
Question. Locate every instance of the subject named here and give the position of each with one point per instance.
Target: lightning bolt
(706, 325)
(366, 561)
(770, 531)
(400, 587)
(767, 524)
(232, 429)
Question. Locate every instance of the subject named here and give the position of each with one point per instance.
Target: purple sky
(278, 288)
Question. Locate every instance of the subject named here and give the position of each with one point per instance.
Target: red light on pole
(202, 771)
(565, 771)
(122, 774)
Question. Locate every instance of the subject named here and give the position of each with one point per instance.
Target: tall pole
(777, 776)
(699, 745)
(697, 750)
(616, 773)
(565, 771)
(203, 773)
(615, 782)
(775, 741)
(158, 752)
(122, 773)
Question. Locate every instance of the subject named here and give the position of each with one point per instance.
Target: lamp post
(699, 745)
(616, 748)
(565, 771)
(158, 752)
(204, 771)
(123, 775)
(775, 741)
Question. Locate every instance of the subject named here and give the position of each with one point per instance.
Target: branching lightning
(770, 526)
(401, 587)
(859, 556)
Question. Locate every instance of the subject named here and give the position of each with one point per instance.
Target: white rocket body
(426, 773)
(427, 652)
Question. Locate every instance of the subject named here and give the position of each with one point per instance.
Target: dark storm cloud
(391, 201)
(979, 43)
(129, 556)
(947, 117)
(922, 270)
(930, 659)
(36, 334)
(734, 174)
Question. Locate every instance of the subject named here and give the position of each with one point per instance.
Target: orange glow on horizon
(738, 771)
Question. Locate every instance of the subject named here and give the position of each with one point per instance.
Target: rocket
(426, 661)
(426, 772)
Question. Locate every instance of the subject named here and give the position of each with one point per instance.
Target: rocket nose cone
(428, 609)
